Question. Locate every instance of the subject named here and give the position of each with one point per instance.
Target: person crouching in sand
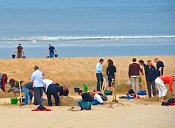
(160, 83)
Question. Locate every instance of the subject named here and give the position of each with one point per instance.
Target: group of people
(105, 72)
(38, 85)
(20, 51)
(154, 77)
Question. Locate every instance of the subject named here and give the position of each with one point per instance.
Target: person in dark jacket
(63, 91)
(134, 72)
(159, 66)
(86, 97)
(53, 89)
(151, 75)
(141, 62)
(110, 72)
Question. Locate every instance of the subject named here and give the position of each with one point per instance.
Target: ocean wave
(69, 38)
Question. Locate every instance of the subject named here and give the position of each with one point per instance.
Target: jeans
(110, 80)
(37, 95)
(52, 55)
(149, 85)
(27, 94)
(51, 91)
(99, 81)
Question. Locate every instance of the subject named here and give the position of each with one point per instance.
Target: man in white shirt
(47, 82)
(99, 74)
(37, 79)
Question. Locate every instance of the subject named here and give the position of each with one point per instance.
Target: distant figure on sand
(19, 51)
(99, 75)
(52, 51)
(37, 79)
(134, 72)
(151, 75)
(160, 83)
(159, 66)
(111, 70)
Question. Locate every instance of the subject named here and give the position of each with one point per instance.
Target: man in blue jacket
(151, 75)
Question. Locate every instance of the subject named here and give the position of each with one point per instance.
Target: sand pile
(64, 101)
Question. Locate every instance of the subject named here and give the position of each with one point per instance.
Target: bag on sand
(108, 92)
(85, 105)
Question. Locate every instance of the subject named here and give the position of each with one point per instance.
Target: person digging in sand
(160, 83)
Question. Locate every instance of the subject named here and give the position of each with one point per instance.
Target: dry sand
(76, 72)
(126, 114)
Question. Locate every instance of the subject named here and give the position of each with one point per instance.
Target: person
(159, 66)
(99, 75)
(53, 90)
(133, 73)
(63, 91)
(97, 96)
(111, 70)
(105, 78)
(19, 51)
(86, 97)
(141, 62)
(47, 82)
(37, 79)
(52, 51)
(28, 92)
(151, 75)
(160, 83)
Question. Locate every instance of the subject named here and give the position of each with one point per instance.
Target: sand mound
(64, 101)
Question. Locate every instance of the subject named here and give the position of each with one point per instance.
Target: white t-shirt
(98, 98)
(47, 82)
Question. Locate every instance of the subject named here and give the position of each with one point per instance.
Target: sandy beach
(76, 72)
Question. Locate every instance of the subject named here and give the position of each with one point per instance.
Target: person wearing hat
(160, 83)
(19, 51)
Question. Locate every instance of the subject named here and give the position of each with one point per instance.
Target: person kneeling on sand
(160, 83)
(28, 92)
(86, 97)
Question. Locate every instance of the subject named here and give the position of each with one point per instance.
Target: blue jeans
(110, 80)
(99, 81)
(27, 94)
(52, 55)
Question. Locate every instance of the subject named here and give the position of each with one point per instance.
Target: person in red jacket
(160, 83)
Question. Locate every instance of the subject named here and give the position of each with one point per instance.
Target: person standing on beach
(151, 75)
(160, 83)
(37, 79)
(99, 75)
(134, 72)
(141, 62)
(111, 70)
(52, 51)
(159, 66)
(105, 78)
(19, 51)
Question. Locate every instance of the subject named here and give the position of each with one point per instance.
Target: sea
(88, 28)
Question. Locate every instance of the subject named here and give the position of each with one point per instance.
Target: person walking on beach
(160, 83)
(111, 70)
(52, 51)
(19, 51)
(134, 72)
(159, 66)
(37, 79)
(99, 75)
(151, 75)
